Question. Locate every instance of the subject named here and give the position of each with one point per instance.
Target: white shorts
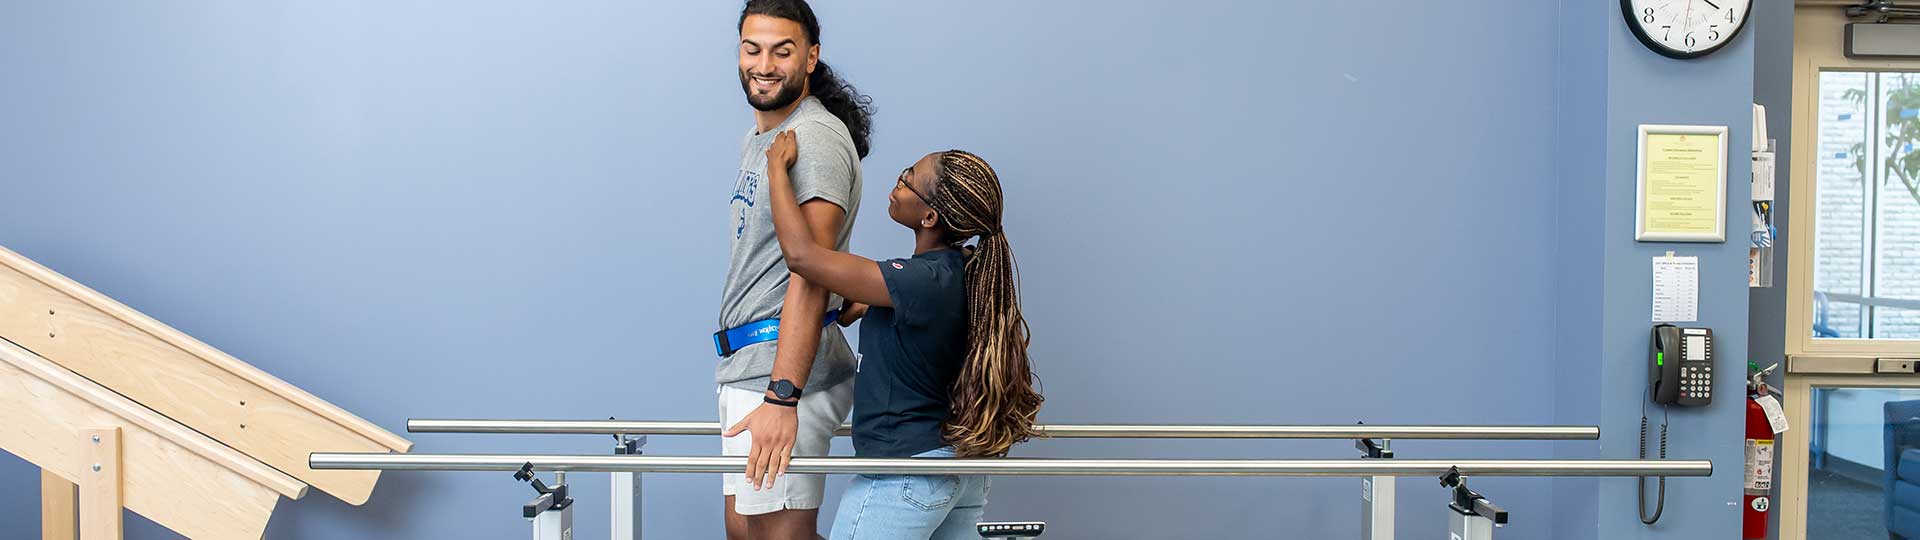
(820, 414)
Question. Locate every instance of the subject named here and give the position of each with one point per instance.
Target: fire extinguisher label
(1760, 504)
(1759, 465)
(1776, 417)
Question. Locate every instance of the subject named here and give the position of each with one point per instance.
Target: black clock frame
(1633, 23)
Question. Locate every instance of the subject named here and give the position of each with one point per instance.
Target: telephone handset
(1680, 367)
(1679, 372)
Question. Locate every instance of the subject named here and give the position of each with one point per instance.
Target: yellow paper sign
(1680, 192)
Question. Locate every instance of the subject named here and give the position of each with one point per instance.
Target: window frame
(1819, 40)
(1819, 36)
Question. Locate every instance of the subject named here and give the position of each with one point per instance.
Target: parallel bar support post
(552, 512)
(1376, 494)
(626, 490)
(554, 525)
(1470, 515)
(1376, 517)
(1467, 526)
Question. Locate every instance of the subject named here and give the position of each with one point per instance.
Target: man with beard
(785, 372)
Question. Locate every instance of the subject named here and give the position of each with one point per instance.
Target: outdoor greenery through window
(1866, 276)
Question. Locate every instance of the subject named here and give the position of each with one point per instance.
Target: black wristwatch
(784, 389)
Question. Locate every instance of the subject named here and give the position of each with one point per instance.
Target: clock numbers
(1685, 28)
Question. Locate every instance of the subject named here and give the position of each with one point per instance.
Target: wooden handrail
(184, 379)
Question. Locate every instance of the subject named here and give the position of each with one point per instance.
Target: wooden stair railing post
(100, 494)
(56, 507)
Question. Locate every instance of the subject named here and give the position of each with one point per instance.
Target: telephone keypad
(1697, 381)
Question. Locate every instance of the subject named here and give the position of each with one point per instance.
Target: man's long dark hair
(840, 97)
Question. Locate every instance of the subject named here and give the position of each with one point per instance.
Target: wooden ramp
(76, 360)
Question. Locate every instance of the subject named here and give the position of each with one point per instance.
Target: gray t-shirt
(827, 168)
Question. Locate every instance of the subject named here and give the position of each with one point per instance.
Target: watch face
(783, 388)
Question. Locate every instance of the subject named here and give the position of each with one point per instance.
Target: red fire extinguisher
(1759, 472)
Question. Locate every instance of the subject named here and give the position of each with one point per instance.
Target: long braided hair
(993, 401)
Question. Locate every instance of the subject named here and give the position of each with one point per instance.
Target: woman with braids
(944, 369)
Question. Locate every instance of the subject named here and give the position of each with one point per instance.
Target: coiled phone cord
(1660, 503)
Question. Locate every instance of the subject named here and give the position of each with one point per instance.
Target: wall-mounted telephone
(1679, 372)
(1680, 366)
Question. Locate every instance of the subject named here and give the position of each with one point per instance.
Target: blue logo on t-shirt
(743, 190)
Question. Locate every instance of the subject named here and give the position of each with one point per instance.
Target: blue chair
(1820, 327)
(1902, 474)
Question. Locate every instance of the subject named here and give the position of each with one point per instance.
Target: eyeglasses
(905, 184)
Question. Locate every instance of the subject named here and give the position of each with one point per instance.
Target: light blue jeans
(912, 507)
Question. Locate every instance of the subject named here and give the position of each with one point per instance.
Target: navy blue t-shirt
(910, 355)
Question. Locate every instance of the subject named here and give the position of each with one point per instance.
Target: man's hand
(853, 312)
(773, 428)
(784, 150)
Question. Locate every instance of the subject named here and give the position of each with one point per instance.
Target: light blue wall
(1645, 88)
(1610, 85)
(1580, 134)
(1224, 212)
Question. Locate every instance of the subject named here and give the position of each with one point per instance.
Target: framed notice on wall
(1682, 193)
